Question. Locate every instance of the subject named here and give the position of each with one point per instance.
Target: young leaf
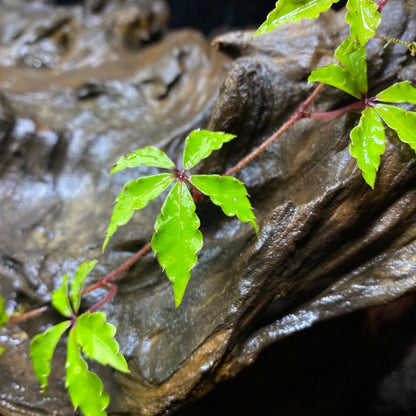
(3, 316)
(41, 349)
(1, 351)
(96, 337)
(228, 193)
(60, 299)
(200, 144)
(85, 389)
(353, 58)
(136, 195)
(367, 144)
(177, 239)
(363, 18)
(293, 11)
(78, 281)
(401, 92)
(147, 156)
(338, 77)
(402, 121)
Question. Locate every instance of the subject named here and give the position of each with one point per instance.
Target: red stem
(111, 293)
(27, 315)
(381, 5)
(340, 111)
(297, 115)
(111, 276)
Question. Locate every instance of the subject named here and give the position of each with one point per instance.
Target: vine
(177, 238)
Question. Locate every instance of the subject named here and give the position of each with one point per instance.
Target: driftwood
(82, 86)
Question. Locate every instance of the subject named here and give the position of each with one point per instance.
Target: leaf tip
(107, 240)
(370, 178)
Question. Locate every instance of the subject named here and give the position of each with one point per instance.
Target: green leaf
(177, 239)
(293, 11)
(41, 349)
(78, 281)
(401, 92)
(350, 75)
(402, 121)
(96, 337)
(1, 351)
(200, 144)
(60, 299)
(148, 156)
(3, 316)
(228, 193)
(363, 18)
(136, 195)
(85, 389)
(338, 77)
(367, 144)
(353, 58)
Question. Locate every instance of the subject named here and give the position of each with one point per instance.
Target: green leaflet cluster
(368, 138)
(89, 334)
(349, 74)
(3, 319)
(177, 238)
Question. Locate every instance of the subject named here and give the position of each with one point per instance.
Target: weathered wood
(327, 243)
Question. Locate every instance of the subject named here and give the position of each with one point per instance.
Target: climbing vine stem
(381, 5)
(23, 317)
(297, 115)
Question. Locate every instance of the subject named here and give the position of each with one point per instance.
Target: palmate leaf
(42, 348)
(78, 281)
(147, 156)
(293, 11)
(96, 337)
(85, 389)
(177, 239)
(228, 193)
(401, 92)
(402, 121)
(363, 17)
(60, 298)
(367, 144)
(136, 195)
(201, 143)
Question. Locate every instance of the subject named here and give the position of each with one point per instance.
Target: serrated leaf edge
(112, 331)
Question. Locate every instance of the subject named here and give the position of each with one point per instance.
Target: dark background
(210, 15)
(363, 363)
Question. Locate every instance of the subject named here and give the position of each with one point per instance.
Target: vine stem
(363, 103)
(381, 5)
(109, 278)
(297, 115)
(27, 315)
(111, 293)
